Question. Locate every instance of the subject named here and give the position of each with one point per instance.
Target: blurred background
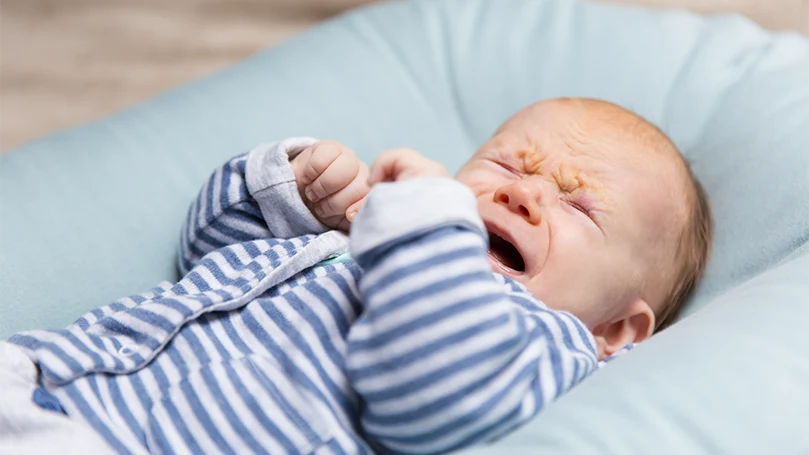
(66, 62)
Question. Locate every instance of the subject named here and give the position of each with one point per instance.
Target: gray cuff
(402, 209)
(271, 181)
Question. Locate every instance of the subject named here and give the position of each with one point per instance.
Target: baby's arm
(444, 355)
(259, 195)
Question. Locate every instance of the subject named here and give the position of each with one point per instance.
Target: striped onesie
(276, 340)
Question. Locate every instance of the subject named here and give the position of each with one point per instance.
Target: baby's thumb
(382, 169)
(353, 209)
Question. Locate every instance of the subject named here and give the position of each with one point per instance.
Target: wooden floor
(65, 62)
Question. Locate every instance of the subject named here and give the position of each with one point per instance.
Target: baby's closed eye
(583, 204)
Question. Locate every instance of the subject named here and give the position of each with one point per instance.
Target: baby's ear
(634, 325)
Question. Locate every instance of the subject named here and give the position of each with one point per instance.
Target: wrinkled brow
(532, 159)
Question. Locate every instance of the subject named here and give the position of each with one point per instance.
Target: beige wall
(65, 62)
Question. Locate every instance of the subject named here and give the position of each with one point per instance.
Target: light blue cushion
(93, 213)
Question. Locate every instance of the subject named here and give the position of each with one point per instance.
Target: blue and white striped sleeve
(445, 355)
(252, 196)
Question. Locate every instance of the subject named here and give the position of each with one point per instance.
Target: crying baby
(596, 212)
(588, 205)
(465, 307)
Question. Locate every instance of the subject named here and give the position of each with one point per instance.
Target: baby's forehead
(582, 126)
(602, 145)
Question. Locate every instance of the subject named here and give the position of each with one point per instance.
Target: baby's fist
(404, 164)
(332, 181)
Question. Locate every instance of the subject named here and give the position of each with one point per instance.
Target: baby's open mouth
(505, 253)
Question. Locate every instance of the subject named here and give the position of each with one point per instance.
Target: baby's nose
(520, 200)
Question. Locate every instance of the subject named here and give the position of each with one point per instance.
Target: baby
(277, 341)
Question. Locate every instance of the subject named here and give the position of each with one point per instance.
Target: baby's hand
(332, 181)
(404, 164)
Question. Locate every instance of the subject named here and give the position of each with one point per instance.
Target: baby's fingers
(404, 164)
(334, 178)
(339, 203)
(389, 164)
(318, 158)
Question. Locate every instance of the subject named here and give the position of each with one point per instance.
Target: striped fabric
(410, 346)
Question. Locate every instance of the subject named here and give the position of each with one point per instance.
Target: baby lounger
(93, 213)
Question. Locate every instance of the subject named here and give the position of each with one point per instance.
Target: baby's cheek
(476, 184)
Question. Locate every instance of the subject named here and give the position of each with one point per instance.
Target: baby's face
(577, 209)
